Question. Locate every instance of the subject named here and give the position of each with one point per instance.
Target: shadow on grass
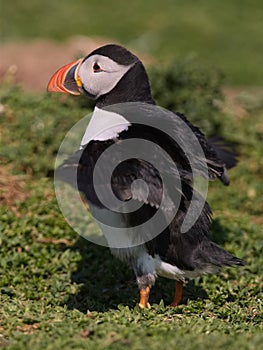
(106, 282)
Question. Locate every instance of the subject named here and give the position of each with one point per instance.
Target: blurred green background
(227, 34)
(58, 291)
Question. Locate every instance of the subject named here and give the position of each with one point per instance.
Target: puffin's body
(114, 77)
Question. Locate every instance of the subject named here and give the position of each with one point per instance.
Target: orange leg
(178, 295)
(144, 297)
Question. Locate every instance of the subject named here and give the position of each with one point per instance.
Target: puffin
(125, 112)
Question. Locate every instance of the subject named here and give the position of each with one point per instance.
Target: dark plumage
(172, 253)
(116, 52)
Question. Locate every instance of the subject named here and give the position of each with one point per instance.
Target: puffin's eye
(96, 68)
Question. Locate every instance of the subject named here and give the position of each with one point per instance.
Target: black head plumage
(134, 85)
(117, 53)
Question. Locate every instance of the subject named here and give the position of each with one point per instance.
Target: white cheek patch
(104, 125)
(100, 83)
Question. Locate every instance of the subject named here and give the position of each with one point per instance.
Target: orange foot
(144, 297)
(178, 295)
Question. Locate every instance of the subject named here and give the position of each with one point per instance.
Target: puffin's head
(100, 74)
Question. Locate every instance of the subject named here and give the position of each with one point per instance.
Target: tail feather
(211, 253)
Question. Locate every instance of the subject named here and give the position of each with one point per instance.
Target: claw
(142, 306)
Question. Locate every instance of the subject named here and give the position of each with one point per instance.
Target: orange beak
(66, 79)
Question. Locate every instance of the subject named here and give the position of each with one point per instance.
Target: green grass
(76, 295)
(227, 34)
(60, 291)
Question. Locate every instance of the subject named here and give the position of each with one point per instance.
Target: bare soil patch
(33, 63)
(13, 188)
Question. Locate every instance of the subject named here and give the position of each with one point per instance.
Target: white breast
(104, 125)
